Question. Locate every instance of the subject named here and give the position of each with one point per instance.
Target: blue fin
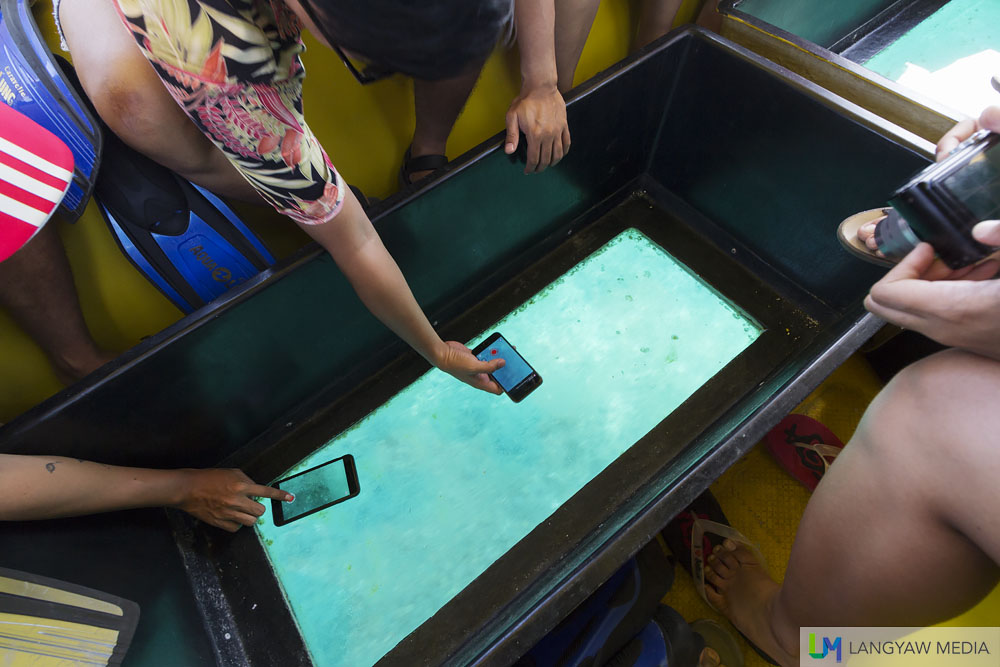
(596, 630)
(183, 238)
(33, 83)
(666, 641)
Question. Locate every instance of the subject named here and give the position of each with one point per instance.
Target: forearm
(359, 253)
(536, 42)
(44, 487)
(382, 288)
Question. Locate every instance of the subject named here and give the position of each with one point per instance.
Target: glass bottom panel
(949, 57)
(452, 478)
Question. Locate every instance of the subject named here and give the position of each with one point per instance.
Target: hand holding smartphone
(316, 489)
(517, 378)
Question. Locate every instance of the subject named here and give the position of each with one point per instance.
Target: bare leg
(900, 532)
(574, 18)
(656, 17)
(437, 104)
(709, 17)
(134, 103)
(436, 107)
(36, 287)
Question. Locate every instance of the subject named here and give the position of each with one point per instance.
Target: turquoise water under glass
(959, 29)
(452, 478)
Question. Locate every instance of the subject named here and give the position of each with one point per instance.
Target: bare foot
(420, 175)
(709, 658)
(866, 234)
(741, 589)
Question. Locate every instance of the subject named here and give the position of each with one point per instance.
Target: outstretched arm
(357, 249)
(48, 487)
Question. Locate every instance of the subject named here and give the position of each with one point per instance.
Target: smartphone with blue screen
(517, 378)
(316, 489)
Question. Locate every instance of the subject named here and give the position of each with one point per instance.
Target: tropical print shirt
(234, 68)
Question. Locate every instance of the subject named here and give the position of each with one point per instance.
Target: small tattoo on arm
(51, 467)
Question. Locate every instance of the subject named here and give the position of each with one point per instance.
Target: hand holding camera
(956, 307)
(940, 204)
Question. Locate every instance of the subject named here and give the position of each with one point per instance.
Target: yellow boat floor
(765, 503)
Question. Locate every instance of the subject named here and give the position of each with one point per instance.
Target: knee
(912, 391)
(931, 404)
(943, 382)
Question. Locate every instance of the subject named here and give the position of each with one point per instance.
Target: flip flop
(699, 529)
(411, 165)
(892, 234)
(804, 447)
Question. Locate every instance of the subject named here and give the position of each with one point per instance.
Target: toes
(729, 562)
(709, 658)
(714, 578)
(744, 556)
(866, 231)
(720, 564)
(712, 593)
(729, 557)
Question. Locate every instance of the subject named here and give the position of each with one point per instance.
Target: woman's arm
(357, 249)
(48, 487)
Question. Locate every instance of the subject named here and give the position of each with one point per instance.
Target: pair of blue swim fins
(623, 623)
(183, 238)
(665, 641)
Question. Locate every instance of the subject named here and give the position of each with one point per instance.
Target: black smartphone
(517, 378)
(942, 203)
(316, 489)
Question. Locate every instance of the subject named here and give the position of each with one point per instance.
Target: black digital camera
(942, 203)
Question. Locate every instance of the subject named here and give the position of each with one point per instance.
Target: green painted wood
(778, 171)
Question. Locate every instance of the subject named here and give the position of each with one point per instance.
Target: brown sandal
(894, 240)
(412, 165)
